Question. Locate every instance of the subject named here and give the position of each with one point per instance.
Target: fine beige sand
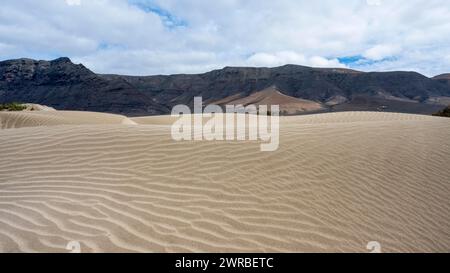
(37, 118)
(337, 182)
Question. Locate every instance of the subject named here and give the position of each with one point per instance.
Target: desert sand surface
(37, 118)
(337, 182)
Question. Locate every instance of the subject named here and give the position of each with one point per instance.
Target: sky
(148, 37)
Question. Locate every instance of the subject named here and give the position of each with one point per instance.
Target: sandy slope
(10, 120)
(337, 182)
(271, 96)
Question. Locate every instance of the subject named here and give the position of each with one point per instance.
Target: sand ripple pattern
(337, 182)
(11, 120)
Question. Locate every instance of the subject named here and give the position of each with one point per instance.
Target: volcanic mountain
(272, 96)
(444, 78)
(298, 89)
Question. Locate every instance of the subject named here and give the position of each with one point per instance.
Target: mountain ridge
(67, 86)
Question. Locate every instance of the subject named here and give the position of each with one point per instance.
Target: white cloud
(73, 2)
(380, 52)
(290, 57)
(112, 36)
(149, 62)
(374, 2)
(318, 61)
(276, 59)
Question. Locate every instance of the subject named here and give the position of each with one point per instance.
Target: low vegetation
(14, 106)
(443, 113)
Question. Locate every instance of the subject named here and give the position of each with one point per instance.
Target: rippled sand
(10, 120)
(337, 182)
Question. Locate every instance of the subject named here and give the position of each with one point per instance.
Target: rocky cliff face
(67, 86)
(444, 78)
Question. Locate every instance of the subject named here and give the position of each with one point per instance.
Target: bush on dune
(443, 113)
(14, 106)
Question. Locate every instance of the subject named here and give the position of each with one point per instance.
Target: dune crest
(48, 117)
(338, 182)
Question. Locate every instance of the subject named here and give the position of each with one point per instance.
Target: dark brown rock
(67, 86)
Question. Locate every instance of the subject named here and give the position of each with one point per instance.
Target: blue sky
(143, 37)
(169, 19)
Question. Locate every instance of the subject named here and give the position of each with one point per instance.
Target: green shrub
(443, 113)
(14, 106)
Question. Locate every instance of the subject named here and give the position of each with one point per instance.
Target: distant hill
(272, 96)
(67, 86)
(443, 113)
(444, 78)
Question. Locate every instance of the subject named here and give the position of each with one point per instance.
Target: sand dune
(38, 107)
(337, 182)
(10, 120)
